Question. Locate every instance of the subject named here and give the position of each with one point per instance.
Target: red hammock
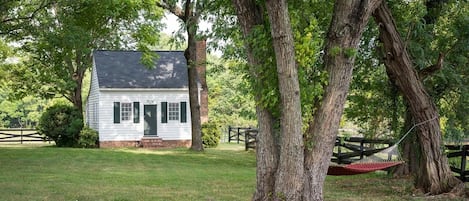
(360, 168)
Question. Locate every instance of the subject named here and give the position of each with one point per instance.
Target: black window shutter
(183, 112)
(136, 112)
(164, 112)
(117, 112)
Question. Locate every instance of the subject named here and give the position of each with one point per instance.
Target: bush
(89, 138)
(61, 123)
(210, 134)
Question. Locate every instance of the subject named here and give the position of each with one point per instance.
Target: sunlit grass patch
(224, 173)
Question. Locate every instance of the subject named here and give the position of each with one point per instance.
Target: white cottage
(132, 106)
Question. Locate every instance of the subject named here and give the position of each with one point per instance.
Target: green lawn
(225, 173)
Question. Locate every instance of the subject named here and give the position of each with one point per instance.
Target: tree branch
(10, 21)
(67, 97)
(408, 35)
(430, 70)
(43, 5)
(172, 8)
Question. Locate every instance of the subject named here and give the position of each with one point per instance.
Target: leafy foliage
(308, 39)
(308, 29)
(61, 123)
(230, 103)
(210, 134)
(22, 113)
(59, 43)
(88, 138)
(375, 105)
(266, 73)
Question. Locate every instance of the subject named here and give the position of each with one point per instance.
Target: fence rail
(250, 139)
(237, 133)
(350, 149)
(15, 135)
(347, 149)
(456, 151)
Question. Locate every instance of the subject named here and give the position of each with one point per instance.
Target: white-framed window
(173, 111)
(126, 111)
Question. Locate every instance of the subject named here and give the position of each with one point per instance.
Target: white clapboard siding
(128, 130)
(93, 102)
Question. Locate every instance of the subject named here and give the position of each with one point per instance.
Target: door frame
(156, 119)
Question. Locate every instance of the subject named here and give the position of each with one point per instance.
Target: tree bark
(348, 22)
(435, 176)
(289, 176)
(409, 150)
(249, 15)
(191, 58)
(82, 62)
(77, 98)
(201, 58)
(191, 19)
(266, 154)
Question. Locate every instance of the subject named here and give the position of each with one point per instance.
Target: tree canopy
(290, 64)
(58, 40)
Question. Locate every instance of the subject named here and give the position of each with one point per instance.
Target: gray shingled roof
(123, 69)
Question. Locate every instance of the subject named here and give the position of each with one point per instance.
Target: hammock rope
(378, 161)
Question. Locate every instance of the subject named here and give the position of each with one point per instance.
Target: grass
(225, 173)
(125, 174)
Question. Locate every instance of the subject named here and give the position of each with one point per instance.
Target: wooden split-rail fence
(243, 134)
(21, 135)
(350, 149)
(460, 153)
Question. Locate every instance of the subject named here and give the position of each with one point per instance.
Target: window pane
(173, 111)
(126, 111)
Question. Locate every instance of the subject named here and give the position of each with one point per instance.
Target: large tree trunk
(82, 62)
(76, 97)
(250, 15)
(201, 59)
(409, 150)
(191, 58)
(289, 176)
(190, 17)
(266, 154)
(434, 175)
(349, 20)
(191, 20)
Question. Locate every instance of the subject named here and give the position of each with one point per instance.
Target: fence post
(238, 135)
(361, 148)
(246, 140)
(463, 163)
(229, 134)
(21, 136)
(339, 150)
(389, 153)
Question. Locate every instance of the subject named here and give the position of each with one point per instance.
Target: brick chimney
(201, 60)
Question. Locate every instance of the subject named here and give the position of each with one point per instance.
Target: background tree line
(289, 66)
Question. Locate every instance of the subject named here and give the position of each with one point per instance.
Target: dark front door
(149, 120)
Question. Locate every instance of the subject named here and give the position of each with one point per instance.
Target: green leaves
(266, 81)
(308, 45)
(23, 113)
(230, 100)
(374, 103)
(60, 42)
